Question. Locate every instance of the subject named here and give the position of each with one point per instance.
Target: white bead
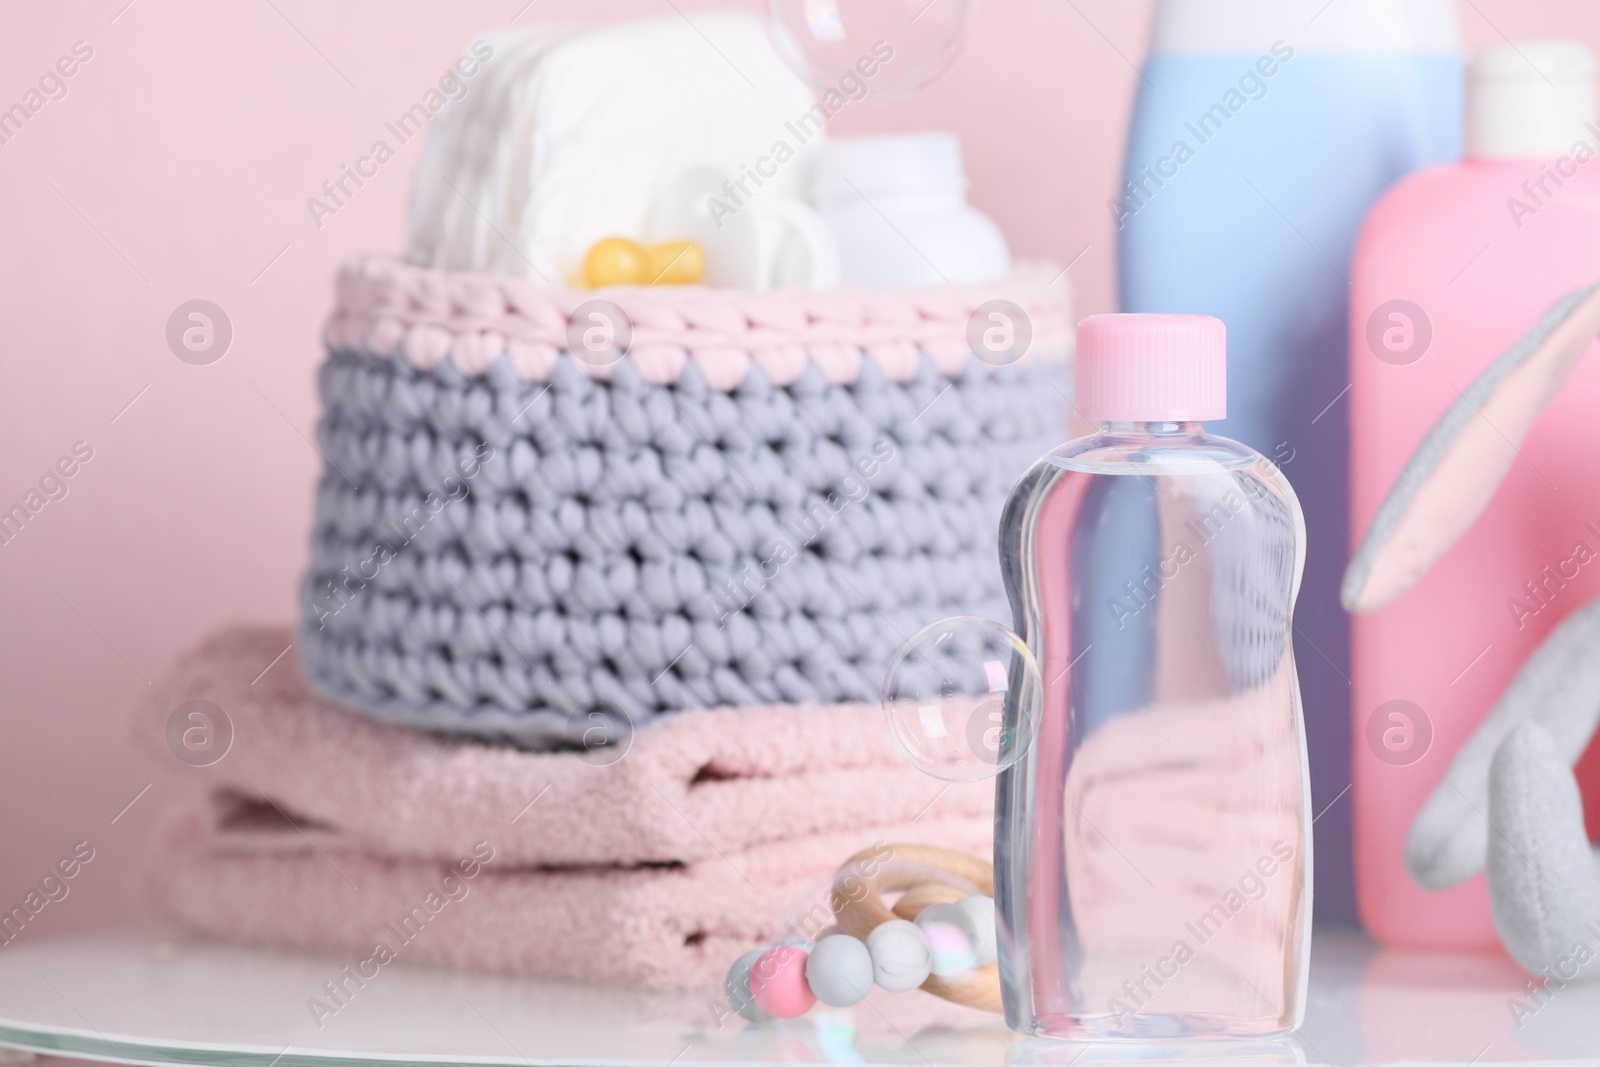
(901, 960)
(951, 935)
(981, 910)
(839, 971)
(737, 988)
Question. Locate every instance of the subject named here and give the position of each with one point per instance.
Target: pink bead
(778, 982)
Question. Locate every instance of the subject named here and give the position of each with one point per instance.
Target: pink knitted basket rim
(385, 306)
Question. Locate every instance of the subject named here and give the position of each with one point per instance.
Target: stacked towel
(654, 863)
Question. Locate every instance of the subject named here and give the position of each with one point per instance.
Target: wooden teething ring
(923, 875)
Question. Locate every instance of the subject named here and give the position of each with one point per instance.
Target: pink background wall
(177, 166)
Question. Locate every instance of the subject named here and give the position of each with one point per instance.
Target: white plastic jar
(897, 204)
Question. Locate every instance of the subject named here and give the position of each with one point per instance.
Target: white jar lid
(1225, 27)
(1529, 100)
(888, 163)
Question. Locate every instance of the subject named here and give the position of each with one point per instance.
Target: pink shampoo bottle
(1452, 266)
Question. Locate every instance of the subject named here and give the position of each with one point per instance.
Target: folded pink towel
(329, 831)
(238, 869)
(693, 785)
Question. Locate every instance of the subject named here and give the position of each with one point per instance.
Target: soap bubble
(891, 47)
(962, 698)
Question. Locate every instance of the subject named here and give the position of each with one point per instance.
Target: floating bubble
(962, 698)
(869, 49)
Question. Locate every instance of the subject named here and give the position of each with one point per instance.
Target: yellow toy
(619, 261)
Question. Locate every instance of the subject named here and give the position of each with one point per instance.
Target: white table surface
(140, 1000)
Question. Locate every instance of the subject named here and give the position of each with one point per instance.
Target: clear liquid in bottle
(1153, 845)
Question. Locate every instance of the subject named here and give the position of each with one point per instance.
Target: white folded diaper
(570, 132)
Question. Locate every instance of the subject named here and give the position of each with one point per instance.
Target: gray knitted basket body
(508, 539)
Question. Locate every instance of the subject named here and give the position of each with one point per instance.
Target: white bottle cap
(1529, 100)
(1239, 27)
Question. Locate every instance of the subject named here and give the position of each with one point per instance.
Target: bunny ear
(1458, 466)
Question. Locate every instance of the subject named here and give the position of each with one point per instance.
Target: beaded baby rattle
(938, 935)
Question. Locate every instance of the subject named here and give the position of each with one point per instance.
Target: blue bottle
(1263, 132)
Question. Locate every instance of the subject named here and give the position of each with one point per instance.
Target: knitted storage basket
(755, 505)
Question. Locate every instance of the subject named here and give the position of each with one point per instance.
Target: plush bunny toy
(1516, 769)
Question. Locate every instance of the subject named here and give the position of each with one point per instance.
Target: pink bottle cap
(1152, 368)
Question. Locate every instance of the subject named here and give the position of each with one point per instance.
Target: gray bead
(839, 971)
(951, 914)
(737, 988)
(949, 960)
(901, 959)
(980, 909)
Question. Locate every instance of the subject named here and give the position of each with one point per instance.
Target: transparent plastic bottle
(1153, 845)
